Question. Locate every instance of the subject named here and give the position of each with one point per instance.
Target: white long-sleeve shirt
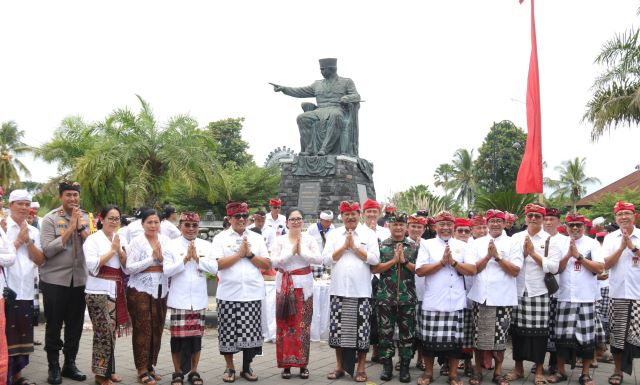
(188, 288)
(531, 276)
(350, 276)
(282, 258)
(21, 274)
(624, 276)
(140, 257)
(96, 245)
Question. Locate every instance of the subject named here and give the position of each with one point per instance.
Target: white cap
(326, 215)
(598, 221)
(35, 205)
(19, 195)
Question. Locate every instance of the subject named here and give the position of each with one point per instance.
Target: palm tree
(616, 92)
(464, 182)
(11, 146)
(572, 182)
(442, 176)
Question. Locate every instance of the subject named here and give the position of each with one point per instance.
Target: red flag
(530, 174)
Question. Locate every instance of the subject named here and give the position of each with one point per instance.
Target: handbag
(8, 294)
(549, 279)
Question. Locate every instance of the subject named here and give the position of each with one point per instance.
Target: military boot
(387, 369)
(70, 370)
(53, 358)
(404, 370)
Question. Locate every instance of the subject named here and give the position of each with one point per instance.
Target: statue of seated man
(322, 127)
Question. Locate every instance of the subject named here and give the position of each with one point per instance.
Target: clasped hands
(191, 253)
(447, 258)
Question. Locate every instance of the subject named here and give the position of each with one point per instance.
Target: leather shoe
(54, 374)
(70, 370)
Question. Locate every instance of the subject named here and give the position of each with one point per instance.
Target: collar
(356, 231)
(539, 234)
(635, 233)
(11, 222)
(390, 241)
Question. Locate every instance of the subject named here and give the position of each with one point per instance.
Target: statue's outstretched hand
(276, 88)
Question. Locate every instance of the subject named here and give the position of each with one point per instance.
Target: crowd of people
(433, 287)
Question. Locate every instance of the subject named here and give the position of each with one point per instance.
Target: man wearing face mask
(494, 294)
(621, 249)
(351, 250)
(530, 320)
(444, 262)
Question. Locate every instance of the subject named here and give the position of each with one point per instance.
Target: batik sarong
(293, 334)
(147, 321)
(102, 311)
(19, 332)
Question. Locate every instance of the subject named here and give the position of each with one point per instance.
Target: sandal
(444, 370)
(534, 367)
(468, 371)
(540, 380)
(249, 375)
(195, 379)
(361, 377)
(229, 375)
(152, 373)
(557, 377)
(304, 373)
(499, 380)
(420, 365)
(115, 378)
(177, 378)
(513, 375)
(425, 379)
(616, 379)
(286, 373)
(338, 373)
(585, 379)
(99, 380)
(455, 381)
(146, 379)
(475, 379)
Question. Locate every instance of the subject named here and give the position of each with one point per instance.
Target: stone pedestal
(315, 183)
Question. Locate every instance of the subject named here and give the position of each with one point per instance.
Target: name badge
(577, 266)
(635, 262)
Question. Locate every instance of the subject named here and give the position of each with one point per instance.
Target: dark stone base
(335, 179)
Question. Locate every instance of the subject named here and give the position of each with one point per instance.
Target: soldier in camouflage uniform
(396, 297)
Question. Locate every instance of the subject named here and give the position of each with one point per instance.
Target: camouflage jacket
(394, 288)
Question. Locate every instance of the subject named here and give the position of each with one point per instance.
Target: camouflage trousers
(404, 317)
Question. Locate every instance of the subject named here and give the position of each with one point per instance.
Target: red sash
(286, 299)
(122, 316)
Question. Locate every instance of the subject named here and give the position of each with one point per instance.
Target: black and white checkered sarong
(575, 325)
(239, 325)
(624, 317)
(318, 270)
(531, 316)
(418, 320)
(491, 325)
(602, 305)
(349, 323)
(442, 330)
(467, 337)
(553, 310)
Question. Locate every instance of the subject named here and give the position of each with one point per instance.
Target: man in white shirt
(189, 259)
(258, 226)
(19, 278)
(352, 250)
(320, 232)
(240, 255)
(371, 210)
(444, 262)
(575, 334)
(462, 232)
(416, 227)
(551, 225)
(494, 294)
(276, 221)
(622, 258)
(530, 320)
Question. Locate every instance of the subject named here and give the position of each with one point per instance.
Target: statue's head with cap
(328, 67)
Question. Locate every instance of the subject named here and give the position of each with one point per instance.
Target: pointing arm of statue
(276, 88)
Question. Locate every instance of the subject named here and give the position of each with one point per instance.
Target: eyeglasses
(191, 225)
(495, 221)
(624, 213)
(243, 216)
(276, 207)
(113, 219)
(534, 215)
(463, 231)
(577, 224)
(295, 219)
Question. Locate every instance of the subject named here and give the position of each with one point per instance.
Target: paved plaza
(212, 365)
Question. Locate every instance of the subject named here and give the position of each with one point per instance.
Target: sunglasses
(243, 216)
(533, 215)
(463, 231)
(191, 225)
(578, 224)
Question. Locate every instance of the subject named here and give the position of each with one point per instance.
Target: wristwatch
(405, 262)
(580, 257)
(455, 263)
(83, 228)
(635, 249)
(498, 259)
(251, 255)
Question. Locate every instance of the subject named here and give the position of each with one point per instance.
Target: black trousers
(63, 305)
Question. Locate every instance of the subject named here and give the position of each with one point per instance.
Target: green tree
(572, 181)
(500, 156)
(12, 146)
(231, 148)
(442, 177)
(603, 207)
(464, 183)
(70, 142)
(616, 91)
(421, 198)
(505, 201)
